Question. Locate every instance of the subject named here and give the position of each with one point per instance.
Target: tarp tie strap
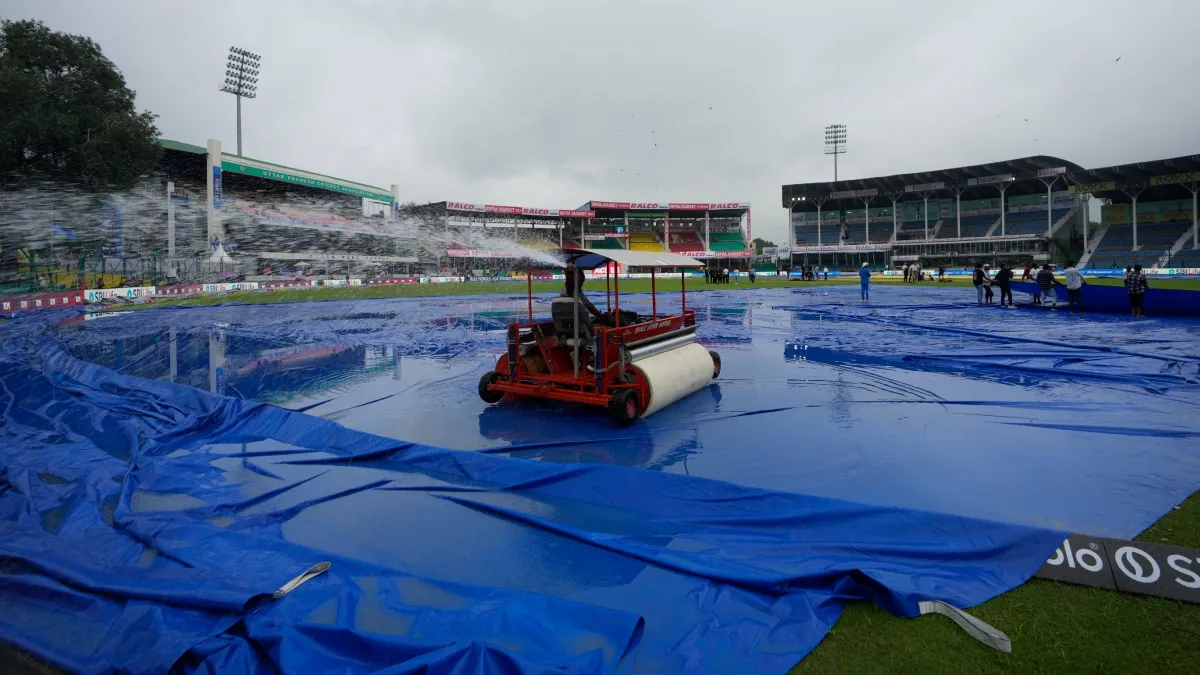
(977, 629)
(314, 571)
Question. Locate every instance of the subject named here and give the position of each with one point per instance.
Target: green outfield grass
(1055, 628)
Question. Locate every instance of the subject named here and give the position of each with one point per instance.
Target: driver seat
(562, 312)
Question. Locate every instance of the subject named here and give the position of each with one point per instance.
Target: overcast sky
(550, 103)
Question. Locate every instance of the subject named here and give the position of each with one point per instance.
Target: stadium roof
(977, 182)
(1155, 180)
(1159, 179)
(258, 168)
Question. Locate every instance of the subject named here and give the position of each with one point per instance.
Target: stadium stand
(644, 241)
(915, 229)
(881, 234)
(972, 226)
(806, 235)
(1161, 235)
(685, 241)
(607, 242)
(732, 241)
(1188, 257)
(537, 240)
(1029, 222)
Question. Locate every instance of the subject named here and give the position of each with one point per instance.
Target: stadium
(1033, 209)
(913, 452)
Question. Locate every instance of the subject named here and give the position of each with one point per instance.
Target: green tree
(760, 243)
(66, 114)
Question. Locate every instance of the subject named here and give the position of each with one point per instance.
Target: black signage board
(1129, 566)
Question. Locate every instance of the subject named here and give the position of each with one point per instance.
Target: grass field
(1054, 627)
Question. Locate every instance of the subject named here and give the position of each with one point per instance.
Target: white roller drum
(675, 374)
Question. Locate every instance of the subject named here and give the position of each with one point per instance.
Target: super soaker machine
(632, 365)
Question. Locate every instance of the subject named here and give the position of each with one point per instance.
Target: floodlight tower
(835, 143)
(241, 80)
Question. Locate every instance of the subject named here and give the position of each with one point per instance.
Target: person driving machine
(575, 276)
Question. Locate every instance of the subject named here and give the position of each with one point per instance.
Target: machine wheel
(486, 394)
(716, 364)
(624, 406)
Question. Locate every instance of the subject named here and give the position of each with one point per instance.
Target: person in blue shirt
(864, 276)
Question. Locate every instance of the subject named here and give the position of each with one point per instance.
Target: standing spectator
(979, 279)
(906, 273)
(826, 273)
(1037, 290)
(1028, 273)
(751, 274)
(942, 273)
(1074, 287)
(864, 277)
(1045, 281)
(1135, 283)
(1128, 271)
(987, 285)
(724, 275)
(1004, 280)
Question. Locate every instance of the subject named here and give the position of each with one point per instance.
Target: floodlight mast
(241, 80)
(835, 144)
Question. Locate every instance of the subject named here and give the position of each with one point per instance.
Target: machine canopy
(588, 259)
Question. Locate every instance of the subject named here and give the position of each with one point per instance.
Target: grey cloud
(552, 103)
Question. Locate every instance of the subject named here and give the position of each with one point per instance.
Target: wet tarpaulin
(918, 399)
(146, 523)
(1097, 298)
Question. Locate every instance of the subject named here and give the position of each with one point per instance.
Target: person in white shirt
(826, 274)
(1074, 287)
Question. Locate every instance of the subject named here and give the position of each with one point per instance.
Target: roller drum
(673, 374)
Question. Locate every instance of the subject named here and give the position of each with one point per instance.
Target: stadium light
(835, 143)
(241, 80)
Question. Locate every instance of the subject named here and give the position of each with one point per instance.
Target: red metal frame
(595, 387)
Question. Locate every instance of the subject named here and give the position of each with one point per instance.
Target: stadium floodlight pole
(835, 144)
(241, 80)
(1049, 203)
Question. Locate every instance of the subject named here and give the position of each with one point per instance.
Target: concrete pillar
(213, 198)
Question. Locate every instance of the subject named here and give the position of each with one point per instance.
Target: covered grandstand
(710, 231)
(1149, 215)
(238, 216)
(1016, 211)
(463, 233)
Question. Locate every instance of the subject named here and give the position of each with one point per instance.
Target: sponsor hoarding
(991, 180)
(716, 254)
(519, 210)
(1172, 179)
(840, 248)
(925, 187)
(854, 193)
(1137, 567)
(1046, 173)
(1088, 188)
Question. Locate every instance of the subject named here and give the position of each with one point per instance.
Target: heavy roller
(632, 365)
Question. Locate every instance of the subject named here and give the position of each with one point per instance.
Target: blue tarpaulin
(144, 520)
(1097, 298)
